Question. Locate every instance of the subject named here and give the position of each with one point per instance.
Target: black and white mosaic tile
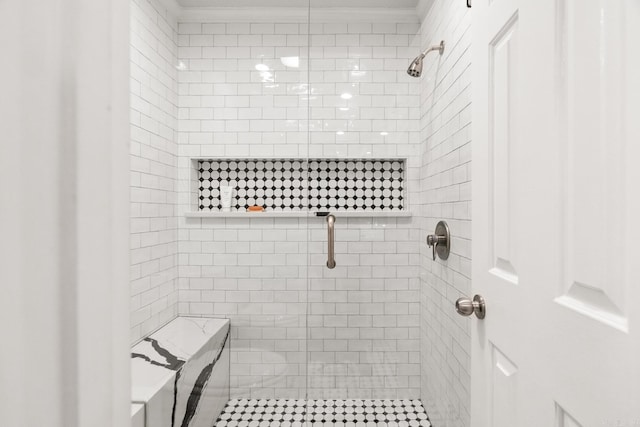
(301, 412)
(294, 185)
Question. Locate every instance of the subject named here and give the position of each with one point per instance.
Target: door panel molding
(504, 389)
(563, 419)
(590, 54)
(503, 52)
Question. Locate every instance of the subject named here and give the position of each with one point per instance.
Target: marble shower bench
(180, 374)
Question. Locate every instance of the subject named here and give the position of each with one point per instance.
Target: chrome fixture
(440, 241)
(415, 69)
(331, 261)
(467, 307)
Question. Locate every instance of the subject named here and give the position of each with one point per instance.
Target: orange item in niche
(255, 209)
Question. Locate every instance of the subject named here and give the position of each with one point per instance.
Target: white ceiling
(392, 4)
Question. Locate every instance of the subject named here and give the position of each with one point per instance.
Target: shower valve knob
(433, 241)
(440, 241)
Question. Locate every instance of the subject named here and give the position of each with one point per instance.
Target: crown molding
(173, 7)
(299, 15)
(423, 8)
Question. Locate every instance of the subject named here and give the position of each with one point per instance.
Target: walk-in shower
(415, 69)
(307, 129)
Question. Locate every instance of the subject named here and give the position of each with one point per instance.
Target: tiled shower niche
(301, 185)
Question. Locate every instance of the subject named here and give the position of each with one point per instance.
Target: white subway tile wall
(446, 194)
(364, 314)
(245, 93)
(154, 111)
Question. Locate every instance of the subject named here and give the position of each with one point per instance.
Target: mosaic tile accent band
(281, 185)
(300, 412)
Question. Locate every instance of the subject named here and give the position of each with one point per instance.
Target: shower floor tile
(344, 413)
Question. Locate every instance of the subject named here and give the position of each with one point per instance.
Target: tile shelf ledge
(297, 214)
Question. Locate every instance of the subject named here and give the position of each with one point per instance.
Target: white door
(556, 225)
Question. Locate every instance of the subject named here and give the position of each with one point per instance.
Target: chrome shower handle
(433, 241)
(440, 241)
(331, 261)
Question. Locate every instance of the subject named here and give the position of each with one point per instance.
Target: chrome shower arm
(438, 47)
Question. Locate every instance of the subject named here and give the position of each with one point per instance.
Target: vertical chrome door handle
(331, 261)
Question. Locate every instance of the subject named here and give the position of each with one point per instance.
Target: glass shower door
(246, 86)
(364, 129)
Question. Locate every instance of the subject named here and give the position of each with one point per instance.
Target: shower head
(415, 69)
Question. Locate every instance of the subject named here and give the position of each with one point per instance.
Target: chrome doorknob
(467, 307)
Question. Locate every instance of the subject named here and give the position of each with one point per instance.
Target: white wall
(364, 316)
(446, 194)
(63, 216)
(154, 98)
